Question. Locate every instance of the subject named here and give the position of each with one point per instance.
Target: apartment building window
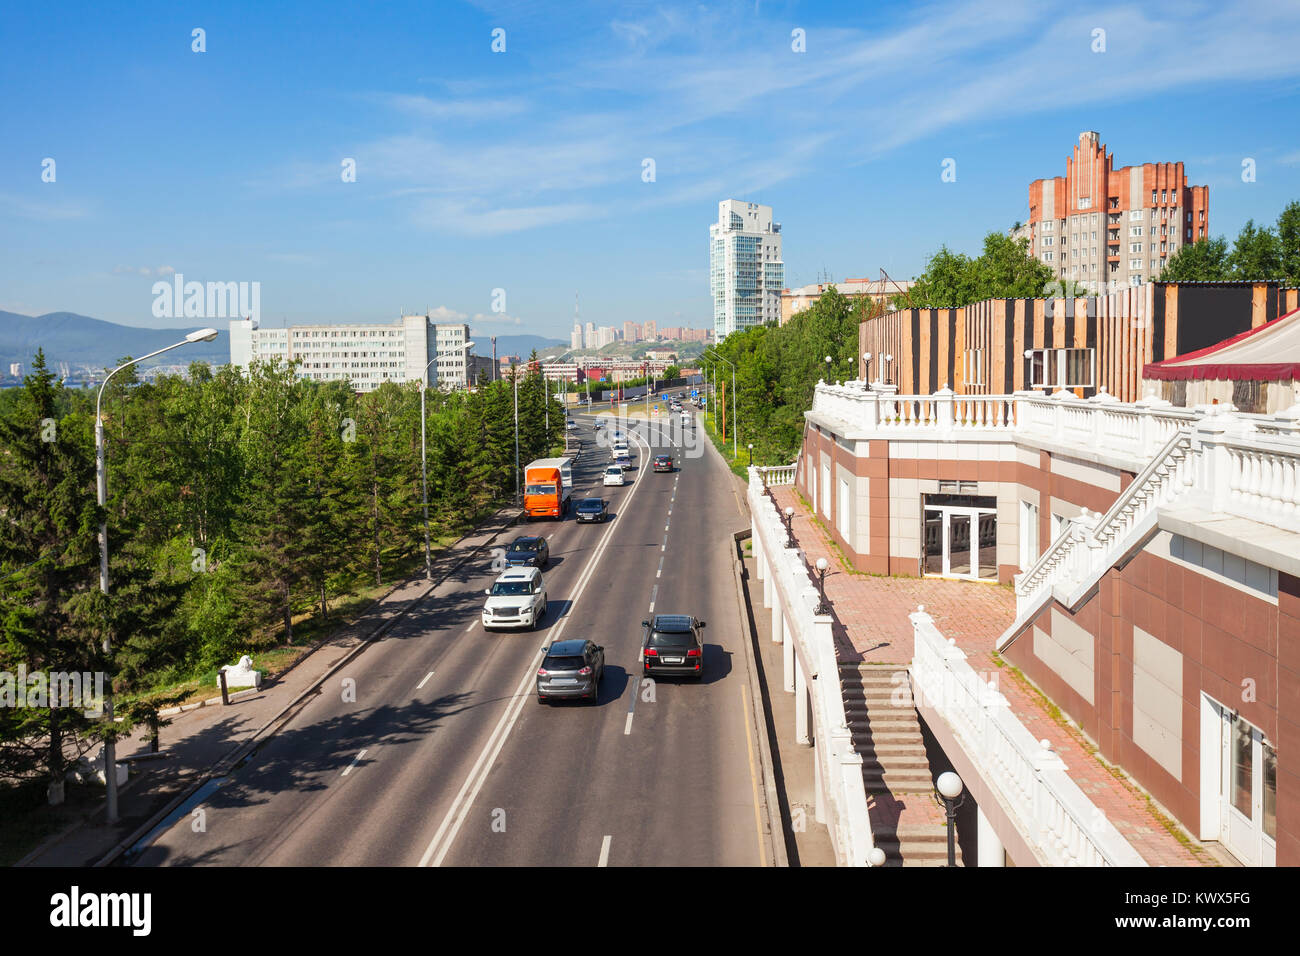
(1135, 263)
(1047, 240)
(1135, 215)
(1189, 235)
(1135, 247)
(1085, 202)
(1189, 217)
(1135, 280)
(1135, 231)
(1047, 257)
(1047, 225)
(1061, 368)
(974, 367)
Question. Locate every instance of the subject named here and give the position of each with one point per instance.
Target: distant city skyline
(489, 187)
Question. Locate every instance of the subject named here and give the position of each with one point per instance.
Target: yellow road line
(753, 775)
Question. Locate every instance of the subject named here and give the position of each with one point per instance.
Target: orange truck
(548, 487)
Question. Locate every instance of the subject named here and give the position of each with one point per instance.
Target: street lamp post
(789, 527)
(101, 498)
(822, 606)
(751, 454)
(735, 431)
(424, 456)
(950, 788)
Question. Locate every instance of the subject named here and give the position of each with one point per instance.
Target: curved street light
(101, 498)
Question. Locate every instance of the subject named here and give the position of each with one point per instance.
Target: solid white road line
(604, 851)
(446, 833)
(425, 681)
(355, 759)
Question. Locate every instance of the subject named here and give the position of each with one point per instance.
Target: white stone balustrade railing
(788, 588)
(1056, 819)
(1133, 431)
(1223, 464)
(777, 475)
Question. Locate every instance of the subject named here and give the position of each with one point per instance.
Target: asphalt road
(445, 757)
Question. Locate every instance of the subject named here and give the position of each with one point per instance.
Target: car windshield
(672, 639)
(556, 663)
(509, 588)
(524, 546)
(613, 471)
(540, 490)
(591, 504)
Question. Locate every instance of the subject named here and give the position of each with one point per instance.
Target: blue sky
(522, 170)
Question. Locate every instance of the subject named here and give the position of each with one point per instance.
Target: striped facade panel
(1125, 330)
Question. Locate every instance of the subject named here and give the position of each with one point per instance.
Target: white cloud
(145, 271)
(444, 314)
(495, 318)
(717, 98)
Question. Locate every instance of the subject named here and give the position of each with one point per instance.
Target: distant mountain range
(82, 341)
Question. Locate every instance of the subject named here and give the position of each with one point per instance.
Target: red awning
(1268, 353)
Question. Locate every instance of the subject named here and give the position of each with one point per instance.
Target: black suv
(571, 669)
(671, 644)
(528, 551)
(593, 509)
(663, 463)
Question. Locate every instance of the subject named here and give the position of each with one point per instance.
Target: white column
(769, 589)
(801, 705)
(989, 849)
(788, 663)
(778, 622)
(819, 790)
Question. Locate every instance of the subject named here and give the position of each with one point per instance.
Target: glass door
(1249, 794)
(959, 542)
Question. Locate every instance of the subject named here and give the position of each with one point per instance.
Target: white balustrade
(1053, 815)
(842, 797)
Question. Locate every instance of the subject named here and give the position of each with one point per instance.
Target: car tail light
(541, 672)
(693, 652)
(585, 671)
(651, 652)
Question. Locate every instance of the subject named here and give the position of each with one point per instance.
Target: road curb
(776, 835)
(268, 730)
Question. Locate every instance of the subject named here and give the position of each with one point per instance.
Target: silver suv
(516, 599)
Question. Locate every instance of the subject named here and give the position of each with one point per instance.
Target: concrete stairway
(882, 717)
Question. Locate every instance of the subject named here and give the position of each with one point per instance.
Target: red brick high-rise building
(1108, 228)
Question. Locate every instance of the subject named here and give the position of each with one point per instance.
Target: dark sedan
(571, 669)
(528, 551)
(663, 463)
(593, 509)
(673, 645)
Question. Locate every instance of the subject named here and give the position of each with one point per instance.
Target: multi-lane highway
(445, 757)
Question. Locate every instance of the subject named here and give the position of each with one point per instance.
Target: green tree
(1205, 260)
(1288, 236)
(1255, 254)
(52, 616)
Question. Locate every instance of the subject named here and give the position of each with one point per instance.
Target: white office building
(746, 271)
(367, 355)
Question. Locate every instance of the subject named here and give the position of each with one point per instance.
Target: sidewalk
(871, 626)
(208, 740)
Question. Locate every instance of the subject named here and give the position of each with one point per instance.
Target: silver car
(571, 669)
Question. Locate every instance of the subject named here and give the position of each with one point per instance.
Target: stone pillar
(778, 622)
(990, 851)
(801, 705)
(788, 663)
(819, 790)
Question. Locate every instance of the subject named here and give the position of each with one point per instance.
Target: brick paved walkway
(872, 625)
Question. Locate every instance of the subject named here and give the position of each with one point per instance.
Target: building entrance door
(959, 537)
(1247, 790)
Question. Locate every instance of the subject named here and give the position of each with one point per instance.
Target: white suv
(516, 599)
(614, 476)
